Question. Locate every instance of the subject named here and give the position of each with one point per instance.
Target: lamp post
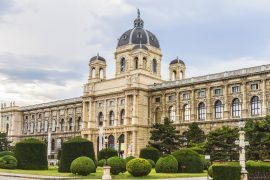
(242, 152)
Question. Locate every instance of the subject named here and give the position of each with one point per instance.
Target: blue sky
(46, 45)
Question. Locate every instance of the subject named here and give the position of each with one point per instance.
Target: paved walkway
(13, 176)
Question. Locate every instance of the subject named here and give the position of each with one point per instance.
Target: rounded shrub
(151, 162)
(74, 148)
(4, 153)
(101, 162)
(8, 162)
(166, 164)
(139, 167)
(129, 158)
(107, 153)
(82, 166)
(31, 154)
(117, 165)
(189, 161)
(150, 153)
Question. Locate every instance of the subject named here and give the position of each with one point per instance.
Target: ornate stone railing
(54, 103)
(211, 77)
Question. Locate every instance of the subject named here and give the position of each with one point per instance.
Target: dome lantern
(138, 22)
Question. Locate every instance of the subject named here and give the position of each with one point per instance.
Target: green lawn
(53, 172)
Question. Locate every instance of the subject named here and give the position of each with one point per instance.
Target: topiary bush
(107, 153)
(8, 162)
(151, 162)
(129, 158)
(74, 148)
(139, 167)
(226, 171)
(166, 164)
(82, 166)
(150, 153)
(117, 165)
(101, 162)
(189, 161)
(4, 153)
(31, 154)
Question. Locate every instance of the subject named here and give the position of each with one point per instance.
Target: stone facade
(123, 108)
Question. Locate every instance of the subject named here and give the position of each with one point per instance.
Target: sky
(45, 45)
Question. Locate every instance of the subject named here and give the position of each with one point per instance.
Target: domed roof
(176, 61)
(97, 57)
(139, 46)
(138, 35)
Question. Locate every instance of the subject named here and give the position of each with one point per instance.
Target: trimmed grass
(53, 172)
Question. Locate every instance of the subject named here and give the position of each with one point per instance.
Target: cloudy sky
(45, 45)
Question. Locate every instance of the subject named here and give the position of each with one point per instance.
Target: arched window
(111, 118)
(236, 109)
(181, 75)
(39, 126)
(136, 63)
(32, 127)
(121, 141)
(101, 73)
(255, 106)
(173, 75)
(53, 145)
(122, 117)
(172, 113)
(157, 115)
(79, 125)
(100, 119)
(62, 125)
(154, 66)
(70, 124)
(46, 126)
(53, 125)
(201, 111)
(123, 65)
(218, 109)
(93, 72)
(111, 143)
(7, 128)
(144, 63)
(186, 112)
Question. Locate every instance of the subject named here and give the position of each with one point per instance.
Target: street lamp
(242, 152)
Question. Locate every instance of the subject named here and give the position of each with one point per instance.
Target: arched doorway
(111, 142)
(121, 145)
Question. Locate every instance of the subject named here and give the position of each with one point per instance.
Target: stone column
(84, 115)
(126, 144)
(89, 113)
(126, 111)
(134, 109)
(226, 111)
(164, 110)
(177, 116)
(208, 104)
(193, 107)
(134, 143)
(116, 111)
(244, 111)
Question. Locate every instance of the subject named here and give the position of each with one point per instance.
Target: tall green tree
(258, 135)
(194, 135)
(221, 144)
(4, 142)
(165, 137)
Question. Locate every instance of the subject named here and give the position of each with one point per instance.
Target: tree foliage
(4, 142)
(258, 135)
(165, 137)
(221, 144)
(194, 135)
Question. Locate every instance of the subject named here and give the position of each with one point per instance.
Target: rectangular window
(186, 96)
(236, 89)
(122, 102)
(171, 97)
(111, 103)
(26, 117)
(218, 92)
(39, 116)
(201, 93)
(99, 104)
(33, 116)
(254, 86)
(157, 99)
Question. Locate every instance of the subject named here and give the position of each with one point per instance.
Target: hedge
(8, 162)
(257, 167)
(166, 164)
(107, 153)
(82, 166)
(226, 171)
(31, 154)
(139, 167)
(189, 161)
(117, 165)
(4, 153)
(150, 153)
(74, 148)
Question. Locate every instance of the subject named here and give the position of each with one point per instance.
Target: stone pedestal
(106, 173)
